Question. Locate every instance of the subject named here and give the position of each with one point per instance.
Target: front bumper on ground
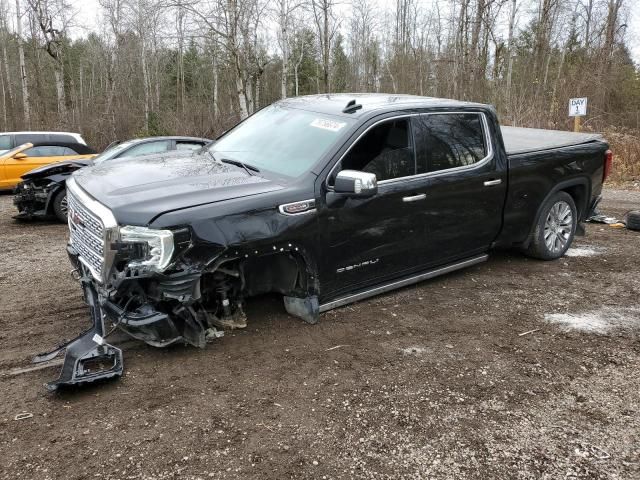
(88, 357)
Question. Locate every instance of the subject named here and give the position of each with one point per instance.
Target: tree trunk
(145, 82)
(512, 21)
(589, 16)
(326, 49)
(216, 110)
(296, 68)
(393, 79)
(611, 29)
(5, 59)
(242, 97)
(4, 102)
(81, 93)
(180, 63)
(256, 104)
(285, 48)
(476, 68)
(26, 107)
(60, 93)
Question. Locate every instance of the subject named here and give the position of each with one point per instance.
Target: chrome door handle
(491, 183)
(414, 198)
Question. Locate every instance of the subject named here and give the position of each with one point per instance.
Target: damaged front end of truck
(166, 286)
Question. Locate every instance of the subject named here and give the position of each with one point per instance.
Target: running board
(402, 283)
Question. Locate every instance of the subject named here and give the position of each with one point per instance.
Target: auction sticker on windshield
(327, 124)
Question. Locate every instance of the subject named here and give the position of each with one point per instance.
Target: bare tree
(5, 75)
(26, 106)
(227, 20)
(510, 49)
(326, 24)
(51, 17)
(197, 66)
(363, 25)
(284, 13)
(114, 14)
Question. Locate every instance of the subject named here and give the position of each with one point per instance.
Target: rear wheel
(555, 228)
(60, 206)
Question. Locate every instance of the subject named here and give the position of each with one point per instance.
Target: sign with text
(578, 107)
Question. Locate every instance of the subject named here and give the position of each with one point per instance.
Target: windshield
(281, 140)
(11, 153)
(113, 151)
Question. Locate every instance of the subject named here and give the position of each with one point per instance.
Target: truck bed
(519, 140)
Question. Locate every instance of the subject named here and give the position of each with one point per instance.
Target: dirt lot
(433, 381)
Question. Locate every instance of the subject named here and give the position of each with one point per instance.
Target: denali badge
(298, 208)
(358, 265)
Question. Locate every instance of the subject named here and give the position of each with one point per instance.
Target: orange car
(20, 160)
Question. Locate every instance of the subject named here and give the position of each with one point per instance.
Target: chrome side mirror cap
(356, 184)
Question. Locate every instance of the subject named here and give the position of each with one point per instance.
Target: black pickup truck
(324, 199)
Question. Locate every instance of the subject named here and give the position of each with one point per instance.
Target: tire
(60, 205)
(633, 220)
(555, 228)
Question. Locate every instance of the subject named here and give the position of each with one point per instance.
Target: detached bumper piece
(88, 358)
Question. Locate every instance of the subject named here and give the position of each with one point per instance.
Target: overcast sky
(88, 15)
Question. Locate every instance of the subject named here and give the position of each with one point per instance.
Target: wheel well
(280, 273)
(52, 196)
(579, 195)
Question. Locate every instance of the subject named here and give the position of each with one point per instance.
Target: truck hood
(137, 190)
(66, 166)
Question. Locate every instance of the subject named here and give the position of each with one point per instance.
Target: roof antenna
(352, 106)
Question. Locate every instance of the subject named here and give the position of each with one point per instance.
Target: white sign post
(577, 109)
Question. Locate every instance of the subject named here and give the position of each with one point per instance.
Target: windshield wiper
(237, 163)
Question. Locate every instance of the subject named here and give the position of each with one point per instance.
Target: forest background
(116, 69)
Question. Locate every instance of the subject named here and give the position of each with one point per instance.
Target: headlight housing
(158, 246)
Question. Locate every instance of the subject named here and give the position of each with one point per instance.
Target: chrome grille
(86, 234)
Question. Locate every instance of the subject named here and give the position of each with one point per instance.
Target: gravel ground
(511, 369)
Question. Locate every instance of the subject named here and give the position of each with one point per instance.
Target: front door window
(386, 150)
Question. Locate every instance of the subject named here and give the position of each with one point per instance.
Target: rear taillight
(608, 163)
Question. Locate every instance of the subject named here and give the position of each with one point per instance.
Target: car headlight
(158, 246)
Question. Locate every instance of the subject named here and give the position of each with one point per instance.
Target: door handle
(414, 198)
(492, 183)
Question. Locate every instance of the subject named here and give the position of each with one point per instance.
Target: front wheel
(60, 206)
(555, 228)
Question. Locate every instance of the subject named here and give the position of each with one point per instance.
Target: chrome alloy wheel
(64, 206)
(558, 227)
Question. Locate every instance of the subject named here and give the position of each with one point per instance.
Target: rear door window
(5, 142)
(148, 148)
(449, 140)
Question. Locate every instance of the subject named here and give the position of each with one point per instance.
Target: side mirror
(356, 184)
(20, 156)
